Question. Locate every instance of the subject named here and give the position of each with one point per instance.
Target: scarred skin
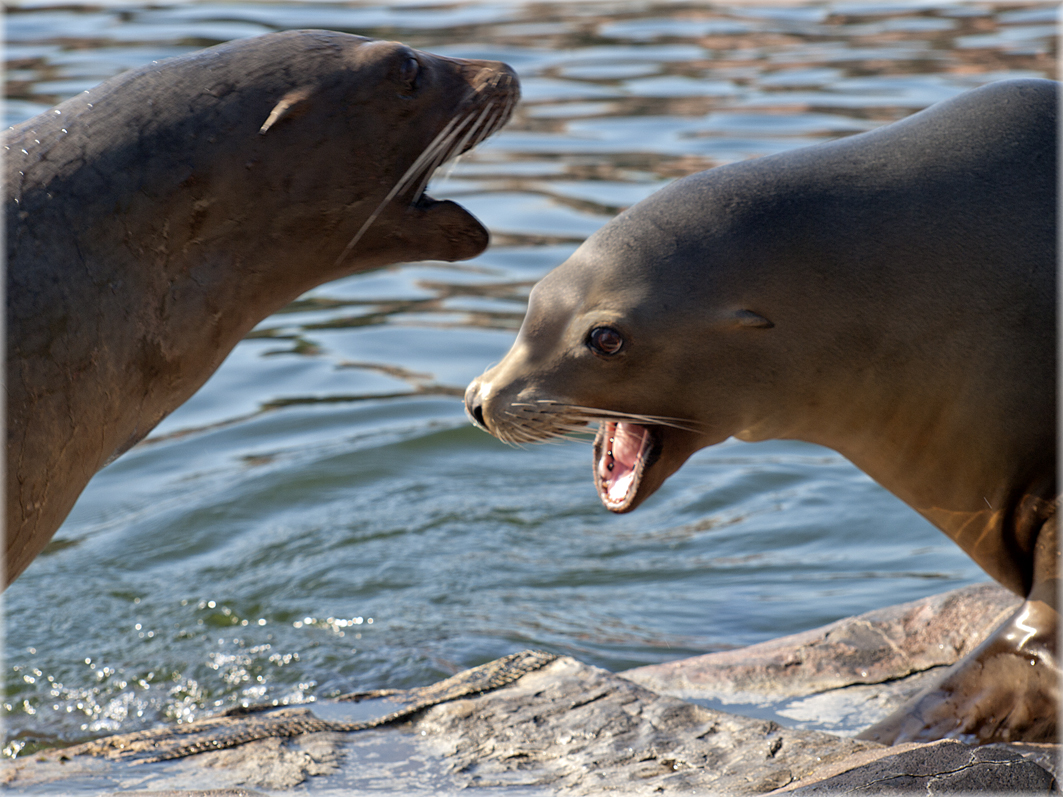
(892, 296)
(153, 221)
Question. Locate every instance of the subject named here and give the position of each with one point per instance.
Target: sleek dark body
(153, 221)
(892, 296)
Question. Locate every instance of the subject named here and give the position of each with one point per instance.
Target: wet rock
(870, 648)
(844, 676)
(946, 767)
(276, 763)
(578, 729)
(270, 764)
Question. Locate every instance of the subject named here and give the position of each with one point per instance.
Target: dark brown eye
(408, 74)
(605, 340)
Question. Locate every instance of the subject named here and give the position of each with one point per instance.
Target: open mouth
(462, 134)
(440, 167)
(622, 452)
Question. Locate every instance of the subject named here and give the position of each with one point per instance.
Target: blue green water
(321, 518)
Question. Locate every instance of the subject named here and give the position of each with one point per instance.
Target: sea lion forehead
(293, 49)
(330, 58)
(379, 50)
(629, 270)
(368, 58)
(552, 304)
(585, 285)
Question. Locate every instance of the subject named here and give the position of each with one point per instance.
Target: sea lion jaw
(432, 229)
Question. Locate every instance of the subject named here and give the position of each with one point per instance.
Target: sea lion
(154, 220)
(891, 295)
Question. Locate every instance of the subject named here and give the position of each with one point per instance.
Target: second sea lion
(892, 296)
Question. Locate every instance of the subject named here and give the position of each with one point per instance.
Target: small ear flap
(747, 318)
(286, 108)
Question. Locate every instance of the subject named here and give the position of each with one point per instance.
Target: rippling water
(320, 517)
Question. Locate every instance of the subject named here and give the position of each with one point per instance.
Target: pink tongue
(626, 444)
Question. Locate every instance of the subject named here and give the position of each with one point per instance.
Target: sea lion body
(891, 295)
(154, 220)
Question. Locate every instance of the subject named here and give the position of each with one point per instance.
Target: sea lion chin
(891, 295)
(154, 220)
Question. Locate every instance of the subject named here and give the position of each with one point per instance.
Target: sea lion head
(626, 334)
(305, 153)
(342, 135)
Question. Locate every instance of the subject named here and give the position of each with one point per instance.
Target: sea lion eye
(408, 74)
(605, 340)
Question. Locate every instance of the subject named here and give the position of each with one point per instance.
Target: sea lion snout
(474, 407)
(514, 411)
(502, 408)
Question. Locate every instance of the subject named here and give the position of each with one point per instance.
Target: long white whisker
(484, 123)
(594, 413)
(472, 129)
(441, 143)
(440, 157)
(488, 124)
(429, 151)
(457, 147)
(571, 439)
(447, 169)
(557, 419)
(501, 118)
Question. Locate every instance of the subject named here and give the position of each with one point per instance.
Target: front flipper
(1005, 690)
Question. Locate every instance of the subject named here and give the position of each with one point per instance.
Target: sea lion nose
(474, 405)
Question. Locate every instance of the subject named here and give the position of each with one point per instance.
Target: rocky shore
(771, 718)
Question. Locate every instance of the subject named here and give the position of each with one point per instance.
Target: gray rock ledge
(572, 729)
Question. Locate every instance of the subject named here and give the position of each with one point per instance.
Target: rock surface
(571, 729)
(844, 676)
(870, 648)
(945, 767)
(583, 730)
